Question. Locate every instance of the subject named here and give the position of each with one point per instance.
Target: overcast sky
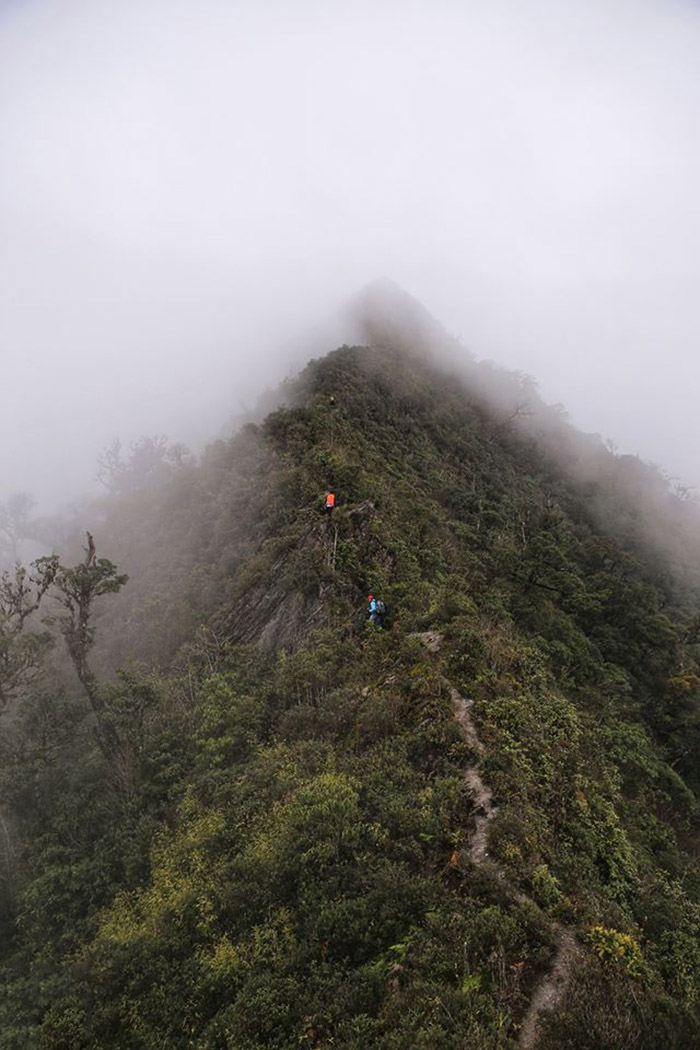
(185, 187)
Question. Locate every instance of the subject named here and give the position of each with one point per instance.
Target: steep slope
(322, 834)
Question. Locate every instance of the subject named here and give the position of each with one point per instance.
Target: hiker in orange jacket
(330, 503)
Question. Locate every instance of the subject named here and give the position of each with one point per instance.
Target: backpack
(381, 608)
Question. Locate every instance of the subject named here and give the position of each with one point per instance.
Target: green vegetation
(255, 835)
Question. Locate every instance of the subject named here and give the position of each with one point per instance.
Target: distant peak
(385, 314)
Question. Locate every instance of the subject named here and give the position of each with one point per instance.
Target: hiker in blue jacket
(377, 609)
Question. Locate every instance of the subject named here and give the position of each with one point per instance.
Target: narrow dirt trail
(479, 792)
(551, 987)
(550, 990)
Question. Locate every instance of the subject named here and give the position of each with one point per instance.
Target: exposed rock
(432, 640)
(273, 618)
(279, 617)
(274, 614)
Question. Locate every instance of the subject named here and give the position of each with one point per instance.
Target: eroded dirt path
(479, 792)
(551, 987)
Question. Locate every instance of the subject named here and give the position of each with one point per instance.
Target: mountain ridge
(284, 850)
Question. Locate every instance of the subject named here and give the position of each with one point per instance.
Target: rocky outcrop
(274, 618)
(278, 614)
(275, 611)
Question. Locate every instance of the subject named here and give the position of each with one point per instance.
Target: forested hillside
(236, 814)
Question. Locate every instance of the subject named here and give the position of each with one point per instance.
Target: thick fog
(189, 190)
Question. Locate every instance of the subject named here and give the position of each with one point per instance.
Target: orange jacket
(330, 499)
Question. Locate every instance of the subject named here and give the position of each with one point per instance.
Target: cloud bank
(187, 189)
